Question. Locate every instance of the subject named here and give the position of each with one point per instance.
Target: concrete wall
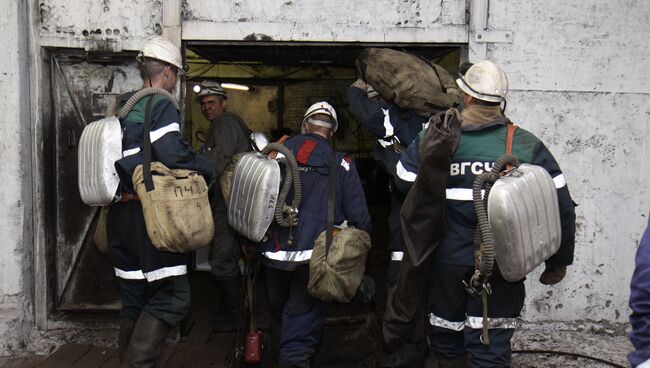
(578, 80)
(337, 20)
(105, 24)
(15, 197)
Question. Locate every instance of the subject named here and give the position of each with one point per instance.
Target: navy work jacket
(313, 154)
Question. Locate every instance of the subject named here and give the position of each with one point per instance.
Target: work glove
(552, 274)
(360, 83)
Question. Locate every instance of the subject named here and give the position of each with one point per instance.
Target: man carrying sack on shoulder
(154, 286)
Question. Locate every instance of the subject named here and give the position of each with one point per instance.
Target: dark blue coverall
(150, 280)
(297, 314)
(455, 317)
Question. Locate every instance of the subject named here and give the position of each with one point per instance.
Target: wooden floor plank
(23, 362)
(186, 355)
(113, 361)
(94, 358)
(166, 354)
(65, 357)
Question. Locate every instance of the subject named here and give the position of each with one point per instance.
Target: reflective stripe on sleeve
(131, 151)
(473, 322)
(443, 323)
(129, 275)
(158, 133)
(559, 181)
(289, 256)
(165, 272)
(387, 125)
(396, 256)
(404, 174)
(461, 194)
(154, 135)
(345, 164)
(477, 323)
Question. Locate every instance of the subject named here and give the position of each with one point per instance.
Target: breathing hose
(487, 179)
(287, 216)
(486, 260)
(126, 109)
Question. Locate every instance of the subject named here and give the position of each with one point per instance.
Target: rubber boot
(146, 343)
(455, 362)
(229, 289)
(124, 336)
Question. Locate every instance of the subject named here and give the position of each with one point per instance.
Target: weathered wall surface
(313, 20)
(14, 232)
(577, 79)
(105, 24)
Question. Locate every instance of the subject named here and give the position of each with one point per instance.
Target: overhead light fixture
(240, 87)
(196, 88)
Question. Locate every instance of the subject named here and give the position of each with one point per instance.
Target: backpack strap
(510, 135)
(146, 142)
(247, 131)
(331, 192)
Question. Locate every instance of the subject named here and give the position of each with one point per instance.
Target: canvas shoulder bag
(175, 202)
(338, 260)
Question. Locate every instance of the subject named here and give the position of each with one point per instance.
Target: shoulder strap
(146, 141)
(510, 134)
(245, 129)
(331, 186)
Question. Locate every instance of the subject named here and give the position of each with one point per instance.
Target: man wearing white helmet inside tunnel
(296, 317)
(154, 286)
(456, 318)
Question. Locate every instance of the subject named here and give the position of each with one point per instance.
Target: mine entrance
(277, 82)
(281, 80)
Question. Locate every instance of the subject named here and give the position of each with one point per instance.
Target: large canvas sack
(100, 236)
(408, 81)
(177, 211)
(335, 276)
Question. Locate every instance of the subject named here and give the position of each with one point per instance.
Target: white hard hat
(486, 81)
(162, 49)
(209, 87)
(320, 108)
